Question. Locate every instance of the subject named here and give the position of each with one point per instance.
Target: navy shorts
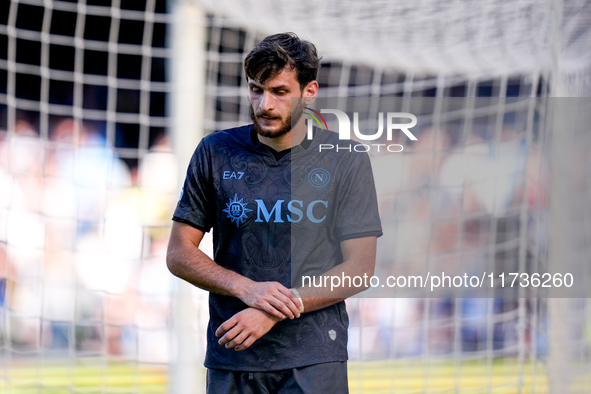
(326, 378)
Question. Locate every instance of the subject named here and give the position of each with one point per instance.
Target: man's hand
(244, 328)
(271, 297)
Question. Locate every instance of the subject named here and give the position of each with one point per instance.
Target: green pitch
(392, 376)
(446, 376)
(57, 377)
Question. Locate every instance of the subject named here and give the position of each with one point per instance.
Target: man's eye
(254, 89)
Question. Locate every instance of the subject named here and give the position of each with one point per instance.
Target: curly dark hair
(271, 55)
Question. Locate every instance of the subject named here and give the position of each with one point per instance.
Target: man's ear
(310, 92)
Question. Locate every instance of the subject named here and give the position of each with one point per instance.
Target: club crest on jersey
(237, 210)
(319, 177)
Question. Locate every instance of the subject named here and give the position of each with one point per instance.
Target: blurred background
(103, 101)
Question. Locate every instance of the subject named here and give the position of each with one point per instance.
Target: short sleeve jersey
(278, 220)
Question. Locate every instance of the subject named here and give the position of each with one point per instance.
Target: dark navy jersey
(278, 218)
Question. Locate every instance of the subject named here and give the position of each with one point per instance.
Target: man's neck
(295, 137)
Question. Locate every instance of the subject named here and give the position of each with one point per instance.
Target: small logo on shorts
(182, 191)
(332, 334)
(236, 210)
(318, 177)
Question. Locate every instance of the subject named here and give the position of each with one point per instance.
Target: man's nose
(267, 102)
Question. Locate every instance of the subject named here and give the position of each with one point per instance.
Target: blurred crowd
(83, 239)
(451, 202)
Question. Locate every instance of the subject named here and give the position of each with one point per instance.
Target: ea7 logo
(232, 174)
(345, 124)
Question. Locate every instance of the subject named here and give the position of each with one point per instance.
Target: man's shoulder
(239, 134)
(325, 136)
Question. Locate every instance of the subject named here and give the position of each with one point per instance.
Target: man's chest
(251, 189)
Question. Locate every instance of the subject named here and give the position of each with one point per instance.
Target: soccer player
(280, 210)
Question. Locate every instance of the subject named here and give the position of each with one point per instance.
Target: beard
(285, 126)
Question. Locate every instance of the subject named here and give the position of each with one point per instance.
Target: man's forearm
(189, 263)
(359, 256)
(315, 298)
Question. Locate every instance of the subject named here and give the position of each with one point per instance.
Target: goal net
(103, 101)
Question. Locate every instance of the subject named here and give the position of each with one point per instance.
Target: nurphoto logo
(344, 125)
